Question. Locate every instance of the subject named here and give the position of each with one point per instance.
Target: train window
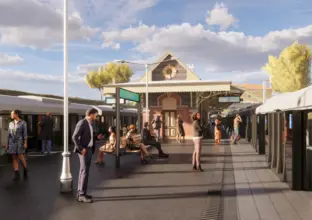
(56, 123)
(309, 130)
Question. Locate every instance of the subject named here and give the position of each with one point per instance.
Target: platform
(236, 184)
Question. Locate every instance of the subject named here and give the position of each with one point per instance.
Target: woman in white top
(109, 146)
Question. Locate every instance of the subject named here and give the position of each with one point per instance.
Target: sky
(224, 40)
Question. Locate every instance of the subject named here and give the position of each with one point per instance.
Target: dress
(17, 136)
(133, 141)
(217, 130)
(181, 128)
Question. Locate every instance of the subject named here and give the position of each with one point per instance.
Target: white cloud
(113, 13)
(220, 16)
(133, 34)
(5, 60)
(29, 23)
(7, 74)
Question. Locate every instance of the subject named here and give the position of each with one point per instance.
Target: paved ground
(236, 184)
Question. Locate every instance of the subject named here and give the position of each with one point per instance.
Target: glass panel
(29, 123)
(172, 133)
(167, 119)
(309, 130)
(172, 119)
(56, 123)
(167, 132)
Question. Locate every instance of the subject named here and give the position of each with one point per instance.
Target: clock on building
(169, 72)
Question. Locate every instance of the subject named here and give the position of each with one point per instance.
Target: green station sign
(130, 96)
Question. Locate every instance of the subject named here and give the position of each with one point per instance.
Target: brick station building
(174, 89)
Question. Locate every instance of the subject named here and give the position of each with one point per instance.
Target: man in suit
(148, 139)
(46, 133)
(84, 141)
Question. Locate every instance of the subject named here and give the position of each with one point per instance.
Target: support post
(264, 91)
(66, 179)
(117, 158)
(139, 108)
(146, 95)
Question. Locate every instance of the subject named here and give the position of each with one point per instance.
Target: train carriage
(34, 108)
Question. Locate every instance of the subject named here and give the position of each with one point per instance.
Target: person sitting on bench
(148, 139)
(110, 146)
(134, 143)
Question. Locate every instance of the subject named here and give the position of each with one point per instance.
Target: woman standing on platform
(181, 133)
(17, 142)
(218, 130)
(197, 139)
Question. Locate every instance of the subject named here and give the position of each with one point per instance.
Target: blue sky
(224, 40)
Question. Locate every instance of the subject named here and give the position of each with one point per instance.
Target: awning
(170, 86)
(298, 100)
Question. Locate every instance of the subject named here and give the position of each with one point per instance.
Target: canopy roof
(173, 86)
(299, 100)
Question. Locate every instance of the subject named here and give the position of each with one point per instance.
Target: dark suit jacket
(82, 136)
(46, 128)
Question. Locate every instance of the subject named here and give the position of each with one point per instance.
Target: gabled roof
(162, 58)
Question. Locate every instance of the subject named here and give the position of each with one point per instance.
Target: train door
(32, 131)
(308, 154)
(73, 120)
(57, 130)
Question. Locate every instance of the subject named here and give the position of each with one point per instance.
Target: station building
(174, 89)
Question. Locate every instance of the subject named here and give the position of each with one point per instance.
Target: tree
(291, 70)
(110, 73)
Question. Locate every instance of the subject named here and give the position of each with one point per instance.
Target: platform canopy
(172, 86)
(299, 100)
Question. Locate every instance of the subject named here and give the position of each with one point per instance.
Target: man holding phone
(84, 141)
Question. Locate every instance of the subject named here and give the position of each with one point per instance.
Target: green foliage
(291, 70)
(110, 73)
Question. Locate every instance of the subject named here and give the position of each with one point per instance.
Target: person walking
(237, 121)
(84, 142)
(197, 139)
(17, 143)
(46, 133)
(148, 139)
(181, 133)
(156, 123)
(218, 129)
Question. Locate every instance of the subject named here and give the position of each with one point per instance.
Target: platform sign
(231, 99)
(112, 100)
(130, 96)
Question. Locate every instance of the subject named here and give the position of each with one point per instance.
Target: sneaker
(163, 155)
(84, 199)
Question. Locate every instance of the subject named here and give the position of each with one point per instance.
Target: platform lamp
(66, 179)
(146, 65)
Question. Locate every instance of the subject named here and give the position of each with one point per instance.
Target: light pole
(66, 179)
(146, 65)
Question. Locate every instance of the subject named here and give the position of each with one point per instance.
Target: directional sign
(232, 99)
(112, 100)
(128, 95)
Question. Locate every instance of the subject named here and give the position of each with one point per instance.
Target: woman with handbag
(109, 146)
(17, 143)
(134, 142)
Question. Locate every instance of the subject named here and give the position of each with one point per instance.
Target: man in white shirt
(84, 145)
